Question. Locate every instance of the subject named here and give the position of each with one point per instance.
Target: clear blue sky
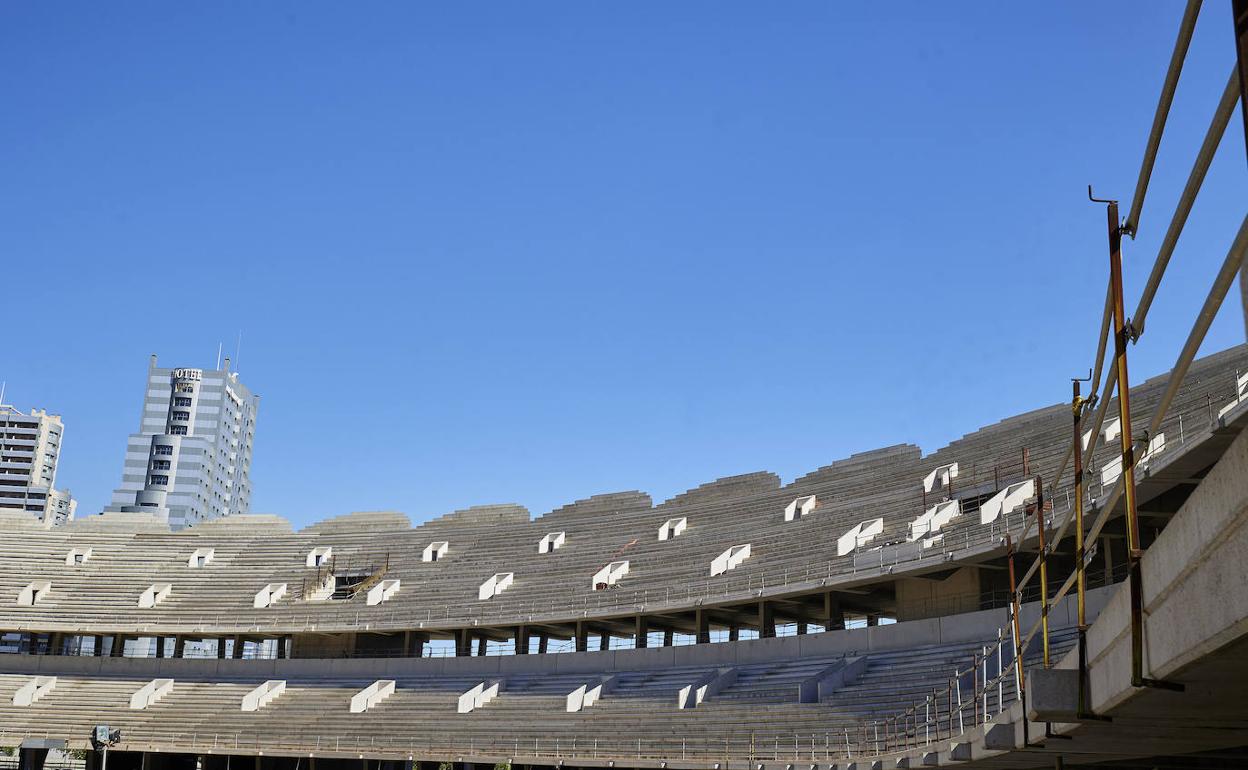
(530, 252)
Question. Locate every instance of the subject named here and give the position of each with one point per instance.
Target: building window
(182, 416)
(185, 387)
(178, 430)
(160, 465)
(181, 401)
(160, 480)
(163, 449)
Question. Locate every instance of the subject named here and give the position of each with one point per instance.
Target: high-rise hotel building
(191, 459)
(30, 446)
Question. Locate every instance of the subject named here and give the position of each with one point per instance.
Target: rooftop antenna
(2, 384)
(238, 350)
(218, 355)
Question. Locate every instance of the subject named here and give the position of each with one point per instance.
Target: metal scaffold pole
(1239, 9)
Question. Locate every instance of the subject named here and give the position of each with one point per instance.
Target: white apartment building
(30, 446)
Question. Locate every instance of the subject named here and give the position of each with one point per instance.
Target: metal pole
(1081, 577)
(1239, 8)
(1121, 333)
(1015, 627)
(1044, 568)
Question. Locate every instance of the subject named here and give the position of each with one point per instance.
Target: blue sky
(530, 252)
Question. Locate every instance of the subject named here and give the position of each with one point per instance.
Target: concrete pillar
(604, 641)
(31, 759)
(873, 620)
(160, 647)
(641, 632)
(1107, 551)
(119, 645)
(99, 645)
(702, 626)
(541, 644)
(833, 615)
(179, 646)
(801, 629)
(766, 620)
(220, 648)
(522, 640)
(582, 636)
(481, 646)
(667, 637)
(238, 647)
(55, 643)
(734, 632)
(463, 643)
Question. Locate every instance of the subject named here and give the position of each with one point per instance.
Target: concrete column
(833, 615)
(482, 642)
(1107, 551)
(119, 645)
(766, 620)
(220, 648)
(734, 632)
(522, 640)
(55, 642)
(801, 629)
(702, 626)
(31, 759)
(582, 636)
(873, 620)
(160, 649)
(179, 646)
(238, 647)
(667, 637)
(604, 641)
(99, 645)
(641, 632)
(541, 644)
(463, 643)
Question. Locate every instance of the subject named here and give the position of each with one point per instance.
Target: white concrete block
(672, 528)
(551, 542)
(729, 559)
(150, 693)
(861, 534)
(435, 550)
(372, 695)
(155, 594)
(269, 595)
(382, 592)
(800, 507)
(33, 592)
(77, 556)
(940, 477)
(495, 585)
(33, 690)
(934, 518)
(201, 557)
(609, 575)
(318, 557)
(1007, 501)
(262, 695)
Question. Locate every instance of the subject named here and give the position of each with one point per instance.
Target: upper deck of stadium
(890, 533)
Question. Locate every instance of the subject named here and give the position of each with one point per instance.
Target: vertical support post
(1239, 10)
(1044, 568)
(1126, 445)
(641, 632)
(1081, 567)
(1015, 624)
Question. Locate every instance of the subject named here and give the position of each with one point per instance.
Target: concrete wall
(923, 598)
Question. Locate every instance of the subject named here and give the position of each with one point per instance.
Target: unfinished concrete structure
(797, 646)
